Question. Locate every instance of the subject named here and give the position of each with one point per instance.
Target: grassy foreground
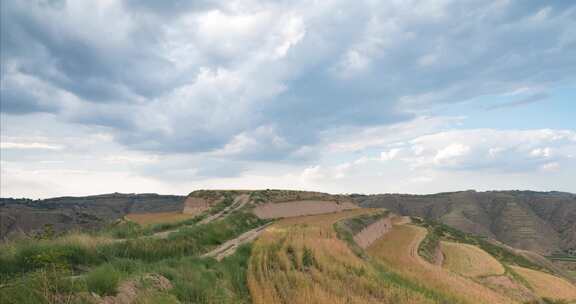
(66, 269)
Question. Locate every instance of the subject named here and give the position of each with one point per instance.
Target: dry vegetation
(146, 219)
(302, 260)
(300, 208)
(398, 249)
(546, 285)
(469, 260)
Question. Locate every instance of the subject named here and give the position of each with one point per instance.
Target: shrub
(103, 280)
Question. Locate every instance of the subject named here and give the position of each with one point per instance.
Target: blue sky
(337, 96)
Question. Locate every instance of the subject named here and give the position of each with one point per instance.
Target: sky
(397, 96)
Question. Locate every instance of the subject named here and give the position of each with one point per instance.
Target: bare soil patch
(300, 208)
(373, 232)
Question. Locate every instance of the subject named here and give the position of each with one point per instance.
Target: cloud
(196, 77)
(191, 90)
(33, 145)
(486, 150)
(520, 102)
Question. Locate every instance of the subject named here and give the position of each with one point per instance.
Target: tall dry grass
(398, 249)
(546, 285)
(302, 261)
(469, 260)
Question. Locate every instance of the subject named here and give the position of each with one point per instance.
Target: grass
(103, 280)
(355, 224)
(72, 254)
(204, 280)
(546, 285)
(148, 219)
(398, 251)
(194, 280)
(438, 231)
(469, 260)
(43, 287)
(302, 260)
(66, 269)
(129, 229)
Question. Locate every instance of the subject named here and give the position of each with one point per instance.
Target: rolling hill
(544, 222)
(276, 246)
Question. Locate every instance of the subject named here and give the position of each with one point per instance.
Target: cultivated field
(547, 286)
(301, 260)
(146, 219)
(469, 260)
(398, 249)
(300, 208)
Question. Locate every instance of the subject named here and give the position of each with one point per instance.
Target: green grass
(204, 280)
(103, 280)
(25, 256)
(43, 287)
(129, 229)
(356, 224)
(438, 231)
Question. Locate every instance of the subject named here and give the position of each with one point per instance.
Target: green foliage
(308, 260)
(44, 286)
(27, 256)
(204, 280)
(356, 224)
(553, 301)
(429, 245)
(103, 280)
(124, 230)
(220, 206)
(438, 231)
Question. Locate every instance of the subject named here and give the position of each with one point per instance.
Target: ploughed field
(274, 246)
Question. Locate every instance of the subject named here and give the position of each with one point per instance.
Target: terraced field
(546, 285)
(469, 260)
(227, 254)
(301, 260)
(398, 249)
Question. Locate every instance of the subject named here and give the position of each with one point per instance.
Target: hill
(87, 212)
(544, 222)
(251, 247)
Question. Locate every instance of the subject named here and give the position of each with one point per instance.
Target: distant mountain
(88, 212)
(544, 222)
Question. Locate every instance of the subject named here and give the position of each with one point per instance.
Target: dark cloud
(14, 101)
(39, 41)
(207, 76)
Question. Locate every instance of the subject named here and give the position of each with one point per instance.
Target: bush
(103, 280)
(44, 286)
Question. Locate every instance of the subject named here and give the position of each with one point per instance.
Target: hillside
(323, 250)
(88, 212)
(544, 222)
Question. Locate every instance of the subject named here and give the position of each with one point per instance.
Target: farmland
(469, 260)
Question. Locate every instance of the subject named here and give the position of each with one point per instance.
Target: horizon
(339, 193)
(394, 97)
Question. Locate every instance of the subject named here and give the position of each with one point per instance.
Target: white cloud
(451, 153)
(29, 145)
